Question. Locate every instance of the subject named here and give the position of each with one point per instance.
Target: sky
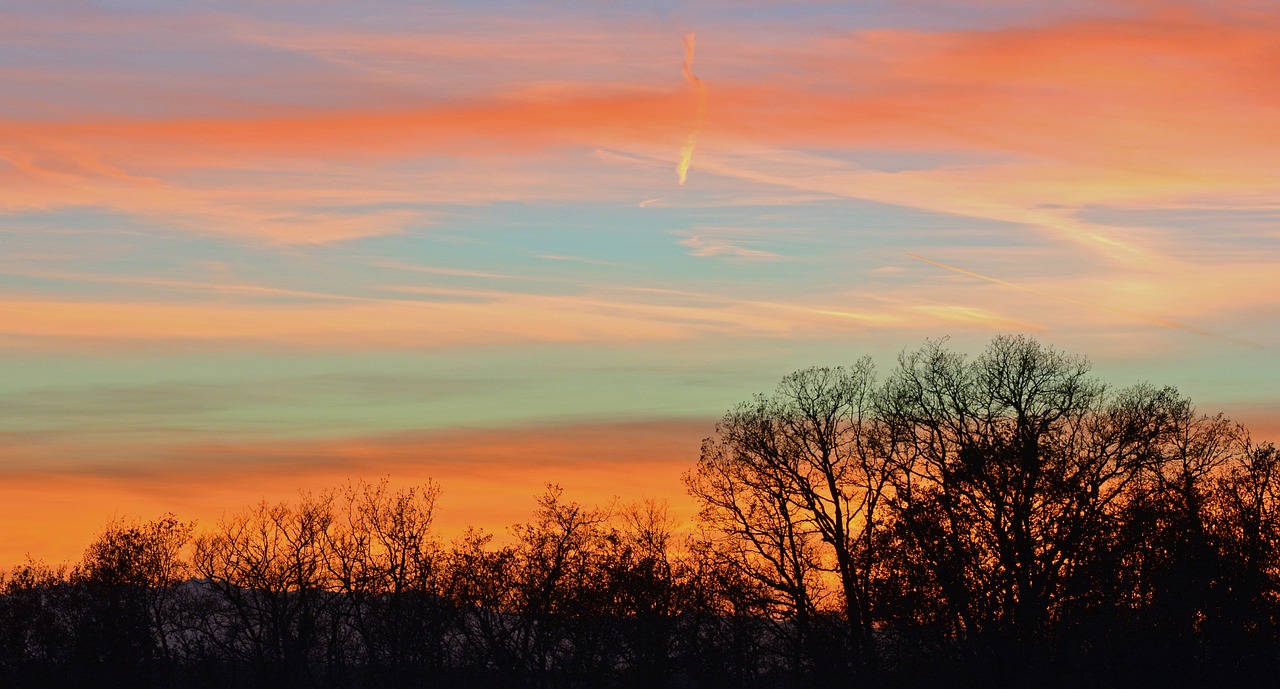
(252, 248)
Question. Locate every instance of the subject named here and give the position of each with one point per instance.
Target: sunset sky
(253, 247)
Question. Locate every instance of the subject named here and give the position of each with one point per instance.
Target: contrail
(686, 151)
(1127, 314)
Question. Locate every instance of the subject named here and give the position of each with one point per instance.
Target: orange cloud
(1092, 91)
(1154, 109)
(439, 318)
(293, 177)
(1157, 106)
(435, 317)
(517, 120)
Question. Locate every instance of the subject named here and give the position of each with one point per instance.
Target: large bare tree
(796, 481)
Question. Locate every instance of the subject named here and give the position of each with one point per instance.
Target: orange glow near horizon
(489, 479)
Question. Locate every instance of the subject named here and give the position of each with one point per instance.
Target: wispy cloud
(724, 242)
(1146, 107)
(1095, 305)
(438, 270)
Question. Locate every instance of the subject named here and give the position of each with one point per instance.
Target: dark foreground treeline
(1001, 521)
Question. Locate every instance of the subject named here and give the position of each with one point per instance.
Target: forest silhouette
(1000, 520)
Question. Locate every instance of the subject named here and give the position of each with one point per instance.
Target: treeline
(1004, 520)
(353, 589)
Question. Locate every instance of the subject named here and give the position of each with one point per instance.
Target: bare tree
(481, 584)
(385, 560)
(558, 583)
(997, 469)
(268, 568)
(1245, 522)
(643, 589)
(796, 481)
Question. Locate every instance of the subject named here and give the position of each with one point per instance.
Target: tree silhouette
(267, 569)
(386, 563)
(36, 634)
(796, 481)
(999, 520)
(128, 577)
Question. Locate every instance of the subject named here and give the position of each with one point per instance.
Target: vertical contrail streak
(686, 151)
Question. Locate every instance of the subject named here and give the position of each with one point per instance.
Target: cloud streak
(1151, 107)
(1095, 306)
